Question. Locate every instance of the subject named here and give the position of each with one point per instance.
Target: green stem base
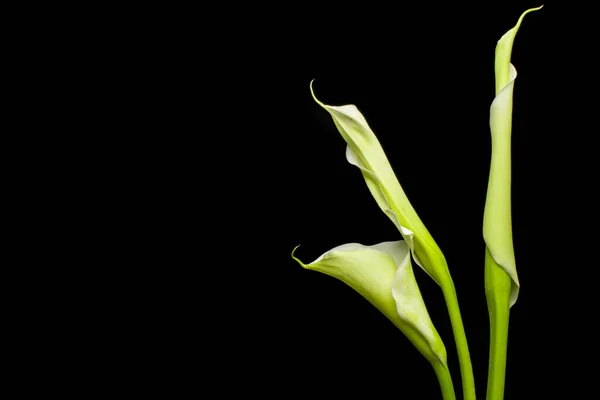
(464, 358)
(445, 380)
(497, 293)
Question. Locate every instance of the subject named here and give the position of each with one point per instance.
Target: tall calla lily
(383, 275)
(365, 152)
(501, 280)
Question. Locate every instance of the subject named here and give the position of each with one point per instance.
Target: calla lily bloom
(365, 152)
(383, 275)
(501, 280)
(497, 225)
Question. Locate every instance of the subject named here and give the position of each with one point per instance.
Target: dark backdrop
(174, 157)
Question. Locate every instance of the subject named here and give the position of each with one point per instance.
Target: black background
(173, 158)
(238, 165)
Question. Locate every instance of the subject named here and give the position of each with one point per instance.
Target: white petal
(365, 152)
(383, 275)
(497, 226)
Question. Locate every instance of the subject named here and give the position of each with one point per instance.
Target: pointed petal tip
(525, 13)
(293, 251)
(531, 9)
(312, 92)
(296, 258)
(517, 26)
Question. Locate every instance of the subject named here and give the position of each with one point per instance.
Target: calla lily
(501, 280)
(365, 152)
(497, 225)
(383, 275)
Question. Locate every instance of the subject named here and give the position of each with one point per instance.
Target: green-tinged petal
(383, 275)
(497, 221)
(503, 51)
(365, 152)
(501, 280)
(497, 226)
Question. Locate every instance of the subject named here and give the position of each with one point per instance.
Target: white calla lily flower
(383, 275)
(365, 152)
(501, 279)
(497, 221)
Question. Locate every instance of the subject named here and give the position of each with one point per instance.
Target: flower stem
(497, 293)
(460, 338)
(445, 380)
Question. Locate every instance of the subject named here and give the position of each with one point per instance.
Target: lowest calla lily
(501, 280)
(365, 152)
(383, 275)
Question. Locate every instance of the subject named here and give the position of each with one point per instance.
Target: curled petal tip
(296, 259)
(293, 251)
(312, 92)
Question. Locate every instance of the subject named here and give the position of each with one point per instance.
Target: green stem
(464, 359)
(445, 380)
(497, 293)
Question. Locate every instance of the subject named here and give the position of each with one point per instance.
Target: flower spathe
(383, 275)
(497, 221)
(365, 152)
